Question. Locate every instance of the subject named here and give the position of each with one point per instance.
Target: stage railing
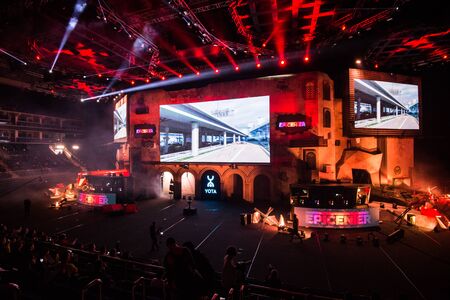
(94, 283)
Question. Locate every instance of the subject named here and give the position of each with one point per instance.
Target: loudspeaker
(141, 110)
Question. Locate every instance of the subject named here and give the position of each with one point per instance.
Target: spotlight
(197, 73)
(343, 27)
(163, 78)
(282, 62)
(84, 76)
(258, 65)
(264, 45)
(99, 75)
(216, 70)
(147, 80)
(376, 66)
(236, 68)
(445, 56)
(358, 61)
(38, 57)
(50, 71)
(306, 58)
(132, 82)
(180, 75)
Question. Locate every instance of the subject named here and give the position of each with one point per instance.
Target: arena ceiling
(116, 44)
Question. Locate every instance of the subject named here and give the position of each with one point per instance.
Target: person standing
(154, 236)
(294, 232)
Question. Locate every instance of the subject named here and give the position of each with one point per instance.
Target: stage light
(84, 76)
(445, 56)
(282, 62)
(376, 66)
(306, 58)
(38, 57)
(264, 45)
(147, 80)
(197, 73)
(99, 75)
(60, 147)
(180, 75)
(75, 147)
(258, 65)
(132, 82)
(358, 61)
(343, 27)
(78, 10)
(12, 56)
(236, 68)
(163, 78)
(50, 71)
(216, 71)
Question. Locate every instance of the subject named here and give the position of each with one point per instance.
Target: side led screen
(382, 104)
(225, 131)
(386, 105)
(120, 120)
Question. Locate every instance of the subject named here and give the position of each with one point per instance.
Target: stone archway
(167, 178)
(187, 180)
(237, 187)
(262, 189)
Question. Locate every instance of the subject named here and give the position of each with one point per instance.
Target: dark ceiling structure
(116, 44)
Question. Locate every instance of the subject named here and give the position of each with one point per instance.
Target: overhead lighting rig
(185, 12)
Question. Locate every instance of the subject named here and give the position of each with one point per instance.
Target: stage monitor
(224, 131)
(120, 120)
(382, 104)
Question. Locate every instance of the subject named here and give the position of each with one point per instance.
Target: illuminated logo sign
(144, 130)
(210, 185)
(331, 219)
(96, 199)
(338, 218)
(295, 123)
(292, 124)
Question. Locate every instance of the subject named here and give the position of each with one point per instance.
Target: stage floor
(415, 267)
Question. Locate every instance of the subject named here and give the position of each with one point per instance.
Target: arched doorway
(166, 179)
(237, 187)
(261, 189)
(210, 185)
(187, 184)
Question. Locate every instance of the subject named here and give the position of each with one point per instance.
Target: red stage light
(343, 27)
(132, 82)
(216, 70)
(236, 68)
(147, 80)
(163, 78)
(282, 62)
(99, 75)
(180, 75)
(358, 61)
(258, 65)
(376, 66)
(445, 56)
(197, 73)
(38, 57)
(264, 45)
(306, 58)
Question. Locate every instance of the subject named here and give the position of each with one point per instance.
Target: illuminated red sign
(96, 199)
(297, 124)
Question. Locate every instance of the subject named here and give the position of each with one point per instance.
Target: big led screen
(120, 120)
(386, 105)
(224, 131)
